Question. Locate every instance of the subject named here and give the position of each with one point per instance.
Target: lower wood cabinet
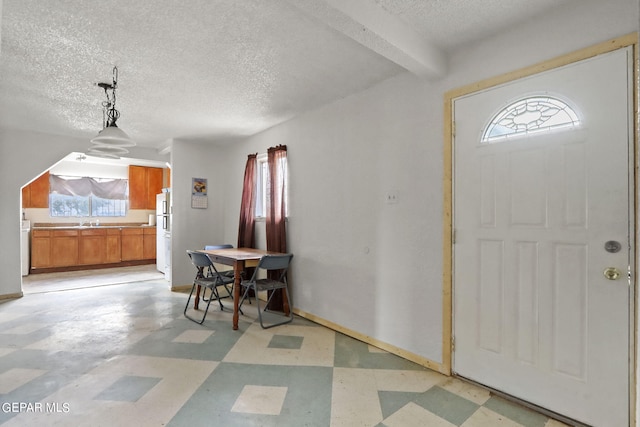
(114, 250)
(132, 244)
(72, 247)
(92, 247)
(138, 243)
(40, 248)
(64, 248)
(149, 243)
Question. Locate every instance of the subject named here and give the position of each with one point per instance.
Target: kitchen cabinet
(132, 244)
(40, 248)
(64, 248)
(73, 248)
(114, 250)
(92, 246)
(144, 184)
(149, 243)
(138, 243)
(36, 194)
(154, 186)
(137, 187)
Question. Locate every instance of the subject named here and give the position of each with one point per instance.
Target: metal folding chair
(269, 262)
(208, 278)
(228, 273)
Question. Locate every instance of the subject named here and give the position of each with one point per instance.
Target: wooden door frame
(448, 237)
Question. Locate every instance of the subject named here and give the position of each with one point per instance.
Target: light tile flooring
(125, 355)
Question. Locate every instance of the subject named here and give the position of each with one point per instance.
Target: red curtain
(246, 229)
(276, 214)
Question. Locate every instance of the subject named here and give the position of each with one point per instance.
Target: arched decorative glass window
(529, 115)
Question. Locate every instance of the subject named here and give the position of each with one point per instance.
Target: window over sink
(87, 196)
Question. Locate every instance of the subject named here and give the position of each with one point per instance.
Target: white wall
(195, 228)
(367, 265)
(23, 157)
(373, 267)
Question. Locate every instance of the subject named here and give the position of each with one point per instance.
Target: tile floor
(125, 355)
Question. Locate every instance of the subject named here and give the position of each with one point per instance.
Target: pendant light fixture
(111, 141)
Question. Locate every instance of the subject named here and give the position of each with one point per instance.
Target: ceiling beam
(373, 27)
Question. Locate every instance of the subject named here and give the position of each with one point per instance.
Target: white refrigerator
(163, 232)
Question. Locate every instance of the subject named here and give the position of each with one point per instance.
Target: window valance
(103, 188)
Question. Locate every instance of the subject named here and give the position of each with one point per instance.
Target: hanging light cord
(111, 142)
(109, 113)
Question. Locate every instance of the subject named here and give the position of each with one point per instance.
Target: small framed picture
(199, 187)
(199, 198)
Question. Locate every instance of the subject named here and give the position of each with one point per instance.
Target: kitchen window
(87, 196)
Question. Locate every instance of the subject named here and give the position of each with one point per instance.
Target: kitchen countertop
(53, 226)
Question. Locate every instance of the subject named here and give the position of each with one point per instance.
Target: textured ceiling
(215, 70)
(450, 23)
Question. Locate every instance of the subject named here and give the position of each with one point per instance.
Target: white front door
(536, 222)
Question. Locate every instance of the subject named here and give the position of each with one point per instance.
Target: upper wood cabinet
(36, 194)
(137, 187)
(154, 180)
(144, 184)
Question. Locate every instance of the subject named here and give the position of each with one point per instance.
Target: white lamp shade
(113, 136)
(107, 151)
(95, 153)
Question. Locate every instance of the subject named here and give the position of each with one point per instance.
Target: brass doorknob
(611, 273)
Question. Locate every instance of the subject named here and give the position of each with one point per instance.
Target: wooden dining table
(239, 258)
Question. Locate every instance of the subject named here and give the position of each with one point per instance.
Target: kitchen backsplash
(133, 216)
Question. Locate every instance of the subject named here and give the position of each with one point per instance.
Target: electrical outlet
(391, 198)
